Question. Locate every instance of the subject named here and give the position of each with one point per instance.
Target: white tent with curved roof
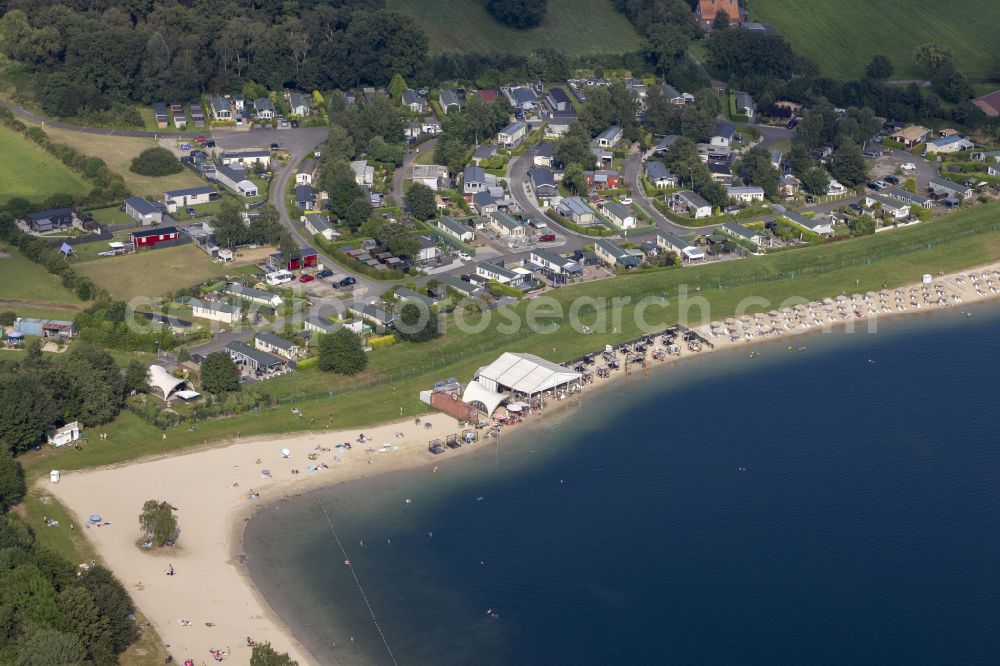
(482, 398)
(163, 383)
(525, 373)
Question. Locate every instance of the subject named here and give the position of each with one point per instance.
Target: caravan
(279, 277)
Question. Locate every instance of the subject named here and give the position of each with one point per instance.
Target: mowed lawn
(28, 171)
(23, 280)
(843, 36)
(151, 272)
(574, 27)
(117, 152)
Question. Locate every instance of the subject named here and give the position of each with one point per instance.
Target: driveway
(399, 175)
(633, 173)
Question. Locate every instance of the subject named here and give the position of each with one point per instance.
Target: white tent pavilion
(517, 375)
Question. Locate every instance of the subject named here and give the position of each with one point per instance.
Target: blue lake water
(840, 504)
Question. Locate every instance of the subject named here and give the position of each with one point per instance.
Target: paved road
(399, 175)
(28, 115)
(633, 173)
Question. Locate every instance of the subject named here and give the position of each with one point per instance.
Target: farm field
(28, 171)
(152, 272)
(117, 152)
(574, 27)
(23, 280)
(843, 36)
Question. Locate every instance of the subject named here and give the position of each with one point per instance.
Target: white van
(278, 277)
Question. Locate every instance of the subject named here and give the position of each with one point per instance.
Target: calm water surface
(840, 504)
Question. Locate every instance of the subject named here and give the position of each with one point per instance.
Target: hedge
(573, 226)
(353, 264)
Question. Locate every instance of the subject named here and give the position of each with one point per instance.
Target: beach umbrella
(716, 324)
(286, 453)
(95, 518)
(827, 301)
(731, 321)
(746, 318)
(773, 313)
(841, 298)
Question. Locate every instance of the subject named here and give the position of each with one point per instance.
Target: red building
(306, 257)
(151, 237)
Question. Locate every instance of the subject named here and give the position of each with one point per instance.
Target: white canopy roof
(525, 373)
(477, 393)
(164, 382)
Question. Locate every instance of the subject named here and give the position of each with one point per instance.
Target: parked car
(306, 278)
(347, 282)
(325, 273)
(190, 211)
(200, 139)
(209, 144)
(295, 123)
(546, 238)
(274, 146)
(873, 186)
(871, 153)
(465, 256)
(810, 199)
(856, 207)
(881, 184)
(891, 179)
(908, 166)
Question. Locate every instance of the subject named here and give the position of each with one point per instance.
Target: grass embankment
(152, 273)
(117, 152)
(24, 280)
(398, 372)
(820, 31)
(28, 171)
(573, 27)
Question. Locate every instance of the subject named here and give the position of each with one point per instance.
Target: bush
(156, 162)
(341, 352)
(219, 374)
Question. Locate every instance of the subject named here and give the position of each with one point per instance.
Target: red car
(545, 238)
(200, 139)
(306, 278)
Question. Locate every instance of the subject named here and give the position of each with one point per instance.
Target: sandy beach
(210, 487)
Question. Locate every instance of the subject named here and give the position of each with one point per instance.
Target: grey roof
(505, 220)
(692, 198)
(725, 129)
(610, 133)
(474, 174)
(500, 270)
(410, 96)
(190, 191)
(620, 254)
(242, 154)
(523, 95)
(142, 206)
(739, 230)
(483, 198)
(887, 202)
(667, 141)
(297, 99)
(722, 169)
(657, 170)
(450, 98)
(407, 294)
(948, 184)
(374, 312)
(616, 209)
(513, 127)
(743, 100)
(559, 96)
(275, 341)
(303, 192)
(674, 240)
(262, 358)
(454, 225)
(458, 285)
(749, 189)
(248, 292)
(802, 220)
(547, 149)
(551, 257)
(263, 104)
(541, 177)
(670, 92)
(576, 205)
(209, 305)
(906, 195)
(485, 151)
(318, 222)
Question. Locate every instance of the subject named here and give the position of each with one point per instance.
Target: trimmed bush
(156, 162)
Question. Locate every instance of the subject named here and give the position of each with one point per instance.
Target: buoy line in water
(364, 596)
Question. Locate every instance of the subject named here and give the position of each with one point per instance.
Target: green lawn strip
(28, 171)
(400, 371)
(24, 280)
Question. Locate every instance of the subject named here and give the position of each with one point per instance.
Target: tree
(574, 147)
(219, 374)
(265, 655)
(7, 318)
(45, 646)
(517, 13)
(721, 21)
(157, 521)
(416, 323)
(26, 411)
(156, 162)
(12, 487)
(77, 604)
(575, 179)
(931, 57)
(879, 68)
(666, 46)
(757, 169)
(136, 377)
(18, 207)
(420, 200)
(114, 603)
(848, 164)
(342, 352)
(339, 145)
(397, 87)
(815, 180)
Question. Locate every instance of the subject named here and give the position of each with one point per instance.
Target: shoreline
(213, 588)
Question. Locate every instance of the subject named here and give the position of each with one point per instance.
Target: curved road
(34, 117)
(399, 175)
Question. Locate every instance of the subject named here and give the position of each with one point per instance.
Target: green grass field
(841, 37)
(151, 272)
(574, 27)
(28, 171)
(22, 280)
